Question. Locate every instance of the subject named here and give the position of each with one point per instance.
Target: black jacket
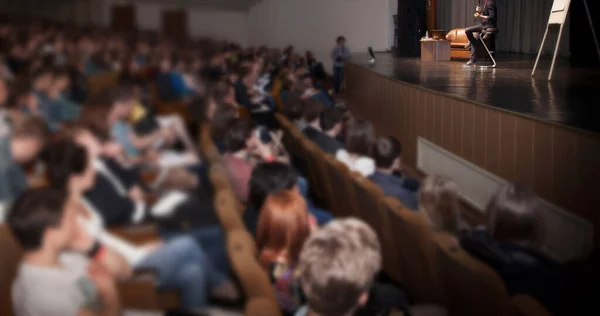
(327, 143)
(523, 270)
(490, 9)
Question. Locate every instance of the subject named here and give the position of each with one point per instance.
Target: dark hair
(63, 160)
(43, 71)
(220, 90)
(270, 178)
(330, 117)
(238, 132)
(121, 93)
(293, 107)
(225, 115)
(340, 38)
(514, 215)
(242, 72)
(360, 138)
(385, 151)
(33, 212)
(312, 110)
(94, 117)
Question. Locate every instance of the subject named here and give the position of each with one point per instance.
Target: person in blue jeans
(339, 54)
(269, 178)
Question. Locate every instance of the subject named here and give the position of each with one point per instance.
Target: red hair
(283, 226)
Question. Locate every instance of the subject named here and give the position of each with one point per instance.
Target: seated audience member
(337, 267)
(180, 263)
(63, 108)
(225, 115)
(60, 273)
(243, 150)
(387, 158)
(274, 177)
(331, 124)
(123, 101)
(439, 202)
(293, 110)
(511, 242)
(311, 116)
(311, 92)
(283, 226)
(164, 81)
(19, 146)
(42, 84)
(244, 94)
(359, 143)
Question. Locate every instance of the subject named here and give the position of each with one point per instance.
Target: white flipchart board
(558, 15)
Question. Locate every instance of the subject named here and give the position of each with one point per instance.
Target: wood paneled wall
(561, 164)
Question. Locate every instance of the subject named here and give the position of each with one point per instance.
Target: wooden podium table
(435, 50)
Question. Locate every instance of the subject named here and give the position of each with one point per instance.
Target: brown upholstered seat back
(457, 37)
(9, 263)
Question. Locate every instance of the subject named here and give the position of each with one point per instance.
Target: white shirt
(362, 164)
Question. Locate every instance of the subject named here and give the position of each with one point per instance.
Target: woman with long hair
(283, 227)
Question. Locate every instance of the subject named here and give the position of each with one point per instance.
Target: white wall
(218, 24)
(315, 24)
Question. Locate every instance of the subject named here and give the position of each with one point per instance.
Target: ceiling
(238, 5)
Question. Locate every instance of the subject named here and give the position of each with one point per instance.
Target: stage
(572, 98)
(543, 134)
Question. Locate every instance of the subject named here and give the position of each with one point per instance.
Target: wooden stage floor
(572, 98)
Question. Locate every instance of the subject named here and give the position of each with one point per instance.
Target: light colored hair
(438, 201)
(337, 266)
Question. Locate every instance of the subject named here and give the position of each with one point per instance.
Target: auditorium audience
(386, 154)
(114, 162)
(180, 263)
(359, 143)
(510, 244)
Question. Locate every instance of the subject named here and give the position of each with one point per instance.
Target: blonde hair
(338, 264)
(438, 201)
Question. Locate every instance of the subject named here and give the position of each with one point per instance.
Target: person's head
(42, 79)
(223, 91)
(166, 64)
(337, 267)
(439, 201)
(244, 74)
(61, 79)
(40, 219)
(332, 121)
(24, 96)
(268, 178)
(312, 111)
(122, 100)
(340, 40)
(28, 137)
(283, 226)
(514, 215)
(69, 167)
(293, 107)
(360, 138)
(225, 115)
(240, 135)
(386, 153)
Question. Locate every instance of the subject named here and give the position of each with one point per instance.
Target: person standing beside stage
(489, 18)
(339, 54)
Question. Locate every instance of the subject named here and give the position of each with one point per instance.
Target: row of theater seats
(241, 247)
(429, 265)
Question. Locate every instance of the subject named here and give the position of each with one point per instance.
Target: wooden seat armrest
(139, 291)
(138, 234)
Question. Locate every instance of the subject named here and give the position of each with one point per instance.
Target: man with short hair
(386, 154)
(330, 123)
(56, 276)
(337, 268)
(339, 55)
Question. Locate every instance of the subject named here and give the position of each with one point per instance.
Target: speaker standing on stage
(488, 19)
(339, 54)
